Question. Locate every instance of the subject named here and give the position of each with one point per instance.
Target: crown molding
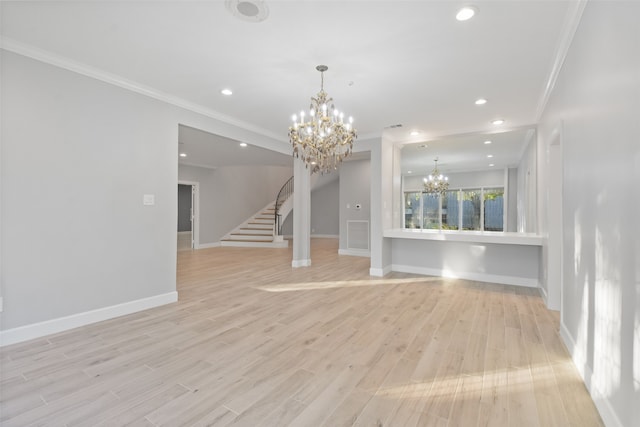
(572, 20)
(59, 61)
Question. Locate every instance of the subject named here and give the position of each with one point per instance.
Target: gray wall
(77, 157)
(487, 262)
(596, 104)
(78, 154)
(355, 188)
(325, 215)
(230, 195)
(184, 207)
(324, 210)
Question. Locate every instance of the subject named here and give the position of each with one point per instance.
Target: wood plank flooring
(253, 342)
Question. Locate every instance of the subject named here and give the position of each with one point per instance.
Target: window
(450, 208)
(493, 209)
(471, 209)
(431, 209)
(412, 210)
(480, 209)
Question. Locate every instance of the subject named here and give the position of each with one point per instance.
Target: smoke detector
(248, 10)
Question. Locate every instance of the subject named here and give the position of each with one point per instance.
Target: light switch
(348, 206)
(149, 200)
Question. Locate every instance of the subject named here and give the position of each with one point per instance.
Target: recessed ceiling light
(489, 156)
(481, 101)
(487, 142)
(423, 145)
(498, 122)
(414, 133)
(243, 144)
(409, 172)
(248, 10)
(226, 92)
(465, 13)
(491, 164)
(183, 154)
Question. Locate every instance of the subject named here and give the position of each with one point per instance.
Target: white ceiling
(212, 151)
(390, 62)
(471, 152)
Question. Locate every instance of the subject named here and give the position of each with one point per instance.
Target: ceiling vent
(248, 10)
(394, 126)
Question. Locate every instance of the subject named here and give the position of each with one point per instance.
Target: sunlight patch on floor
(306, 286)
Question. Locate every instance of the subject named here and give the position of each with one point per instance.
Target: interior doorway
(187, 227)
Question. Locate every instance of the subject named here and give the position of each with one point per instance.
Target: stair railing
(285, 192)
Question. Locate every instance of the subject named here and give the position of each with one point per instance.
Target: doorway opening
(187, 227)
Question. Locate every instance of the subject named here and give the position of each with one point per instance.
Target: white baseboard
(300, 263)
(601, 401)
(543, 294)
(208, 245)
(355, 252)
(315, 236)
(478, 277)
(380, 272)
(53, 326)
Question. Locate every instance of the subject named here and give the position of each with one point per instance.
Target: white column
(301, 215)
(383, 186)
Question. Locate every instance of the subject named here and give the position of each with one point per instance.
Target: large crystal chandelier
(322, 138)
(436, 182)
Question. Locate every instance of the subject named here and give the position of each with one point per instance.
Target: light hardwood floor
(253, 342)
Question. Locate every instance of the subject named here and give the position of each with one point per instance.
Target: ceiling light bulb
(481, 101)
(487, 142)
(183, 154)
(465, 13)
(489, 156)
(409, 171)
(414, 133)
(491, 165)
(226, 92)
(243, 144)
(498, 122)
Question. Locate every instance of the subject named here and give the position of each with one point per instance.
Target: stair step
(258, 226)
(249, 244)
(261, 231)
(254, 237)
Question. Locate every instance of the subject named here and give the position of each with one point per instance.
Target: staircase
(257, 232)
(263, 229)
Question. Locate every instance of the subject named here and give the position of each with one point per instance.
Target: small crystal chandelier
(436, 182)
(321, 138)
